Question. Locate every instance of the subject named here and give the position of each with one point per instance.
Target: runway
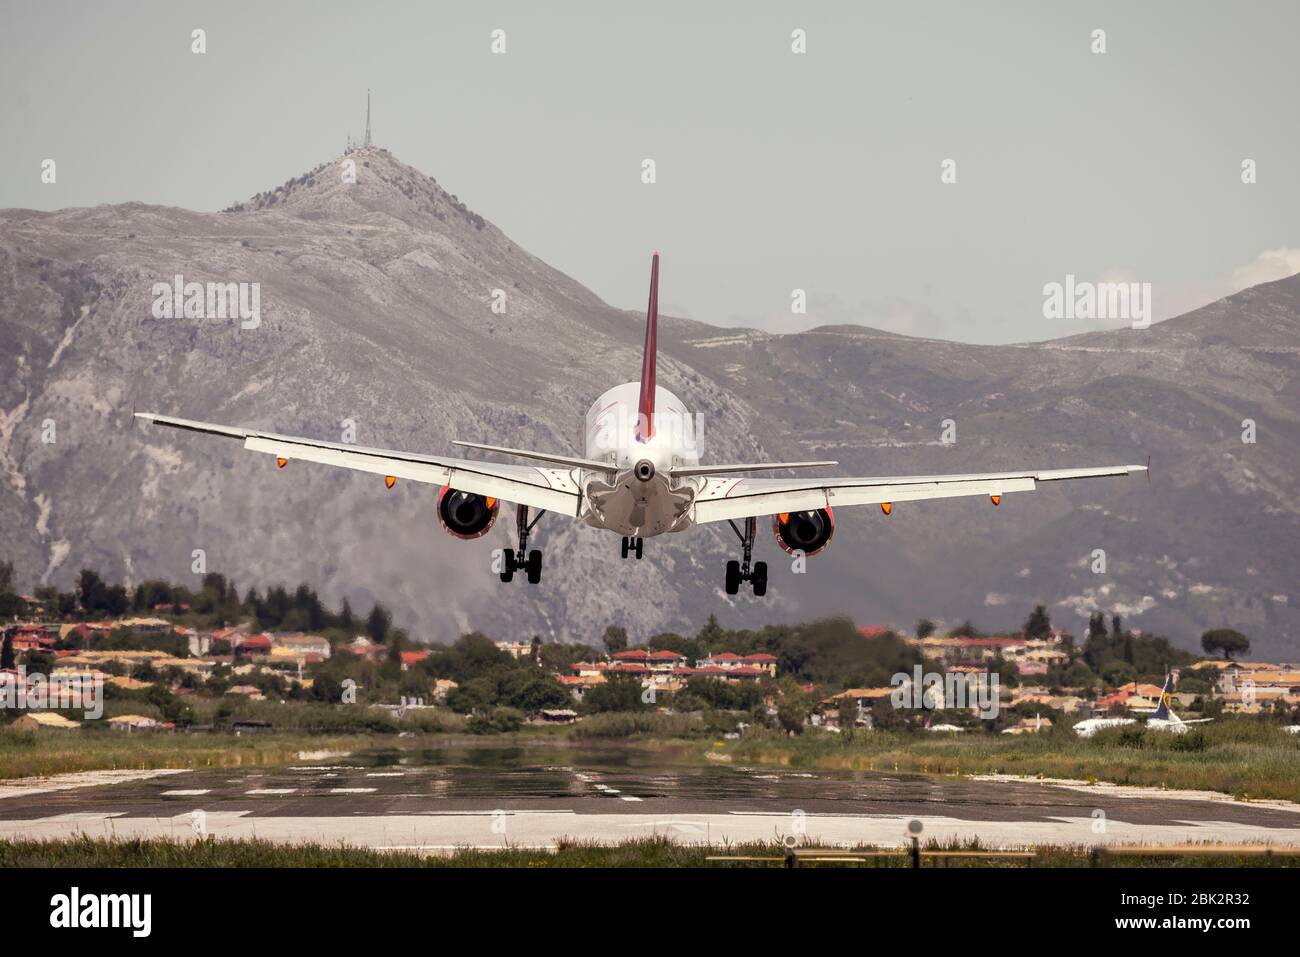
(440, 801)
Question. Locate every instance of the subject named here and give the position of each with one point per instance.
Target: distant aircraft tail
(1162, 712)
(645, 422)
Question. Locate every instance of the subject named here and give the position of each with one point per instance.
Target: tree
(346, 621)
(1039, 624)
(848, 714)
(925, 628)
(378, 623)
(617, 693)
(1229, 641)
(7, 657)
(615, 639)
(711, 633)
(91, 591)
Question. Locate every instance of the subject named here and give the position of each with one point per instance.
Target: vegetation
(640, 852)
(41, 753)
(1248, 758)
(1226, 641)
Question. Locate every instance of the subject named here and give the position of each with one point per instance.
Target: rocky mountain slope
(376, 310)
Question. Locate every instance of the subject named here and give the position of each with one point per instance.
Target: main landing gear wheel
(513, 560)
(632, 546)
(740, 571)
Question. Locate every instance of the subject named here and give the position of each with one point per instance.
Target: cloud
(1268, 266)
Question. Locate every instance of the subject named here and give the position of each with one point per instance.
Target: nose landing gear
(741, 571)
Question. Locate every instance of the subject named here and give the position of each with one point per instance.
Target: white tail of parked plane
(640, 476)
(1161, 718)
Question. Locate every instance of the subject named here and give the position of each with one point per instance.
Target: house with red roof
(412, 658)
(247, 646)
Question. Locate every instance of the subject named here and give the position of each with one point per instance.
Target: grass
(39, 753)
(648, 852)
(1246, 758)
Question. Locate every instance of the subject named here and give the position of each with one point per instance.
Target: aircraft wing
(723, 498)
(553, 489)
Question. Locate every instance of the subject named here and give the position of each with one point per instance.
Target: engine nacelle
(807, 532)
(465, 514)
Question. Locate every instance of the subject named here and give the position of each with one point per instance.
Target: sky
(775, 171)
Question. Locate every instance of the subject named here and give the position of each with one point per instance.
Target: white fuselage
(642, 499)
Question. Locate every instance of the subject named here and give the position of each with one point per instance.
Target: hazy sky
(775, 171)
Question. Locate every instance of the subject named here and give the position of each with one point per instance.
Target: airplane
(641, 477)
(1162, 718)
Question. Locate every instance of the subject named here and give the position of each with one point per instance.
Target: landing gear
(513, 559)
(741, 571)
(632, 546)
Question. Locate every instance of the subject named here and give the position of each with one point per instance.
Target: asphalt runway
(436, 807)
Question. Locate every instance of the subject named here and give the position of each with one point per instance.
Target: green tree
(1227, 640)
(378, 623)
(925, 628)
(617, 693)
(7, 656)
(91, 591)
(711, 634)
(1039, 624)
(615, 639)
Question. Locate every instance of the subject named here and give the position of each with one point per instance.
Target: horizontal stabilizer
(681, 471)
(566, 460)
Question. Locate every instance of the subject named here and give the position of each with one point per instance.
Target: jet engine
(464, 514)
(807, 532)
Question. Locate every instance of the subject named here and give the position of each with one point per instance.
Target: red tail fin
(645, 423)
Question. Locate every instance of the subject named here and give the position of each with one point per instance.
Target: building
(410, 658)
(579, 685)
(728, 660)
(253, 646)
(135, 722)
(34, 720)
(827, 712)
(515, 649)
(299, 645)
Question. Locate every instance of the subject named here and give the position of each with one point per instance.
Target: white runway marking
(353, 790)
(628, 797)
(187, 792)
(271, 791)
(385, 774)
(25, 787)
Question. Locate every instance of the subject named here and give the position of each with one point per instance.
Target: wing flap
(727, 498)
(552, 489)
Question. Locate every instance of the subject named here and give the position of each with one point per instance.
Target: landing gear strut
(632, 546)
(513, 560)
(740, 571)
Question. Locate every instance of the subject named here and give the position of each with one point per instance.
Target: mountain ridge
(378, 310)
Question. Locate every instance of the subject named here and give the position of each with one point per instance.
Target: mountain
(375, 309)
